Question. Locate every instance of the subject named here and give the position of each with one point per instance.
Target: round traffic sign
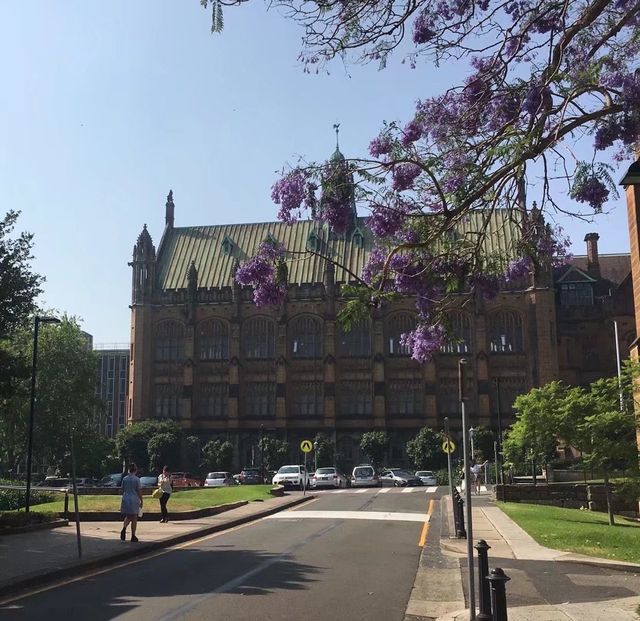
(306, 446)
(448, 446)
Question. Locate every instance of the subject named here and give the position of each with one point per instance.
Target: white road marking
(408, 490)
(350, 515)
(364, 490)
(483, 488)
(384, 490)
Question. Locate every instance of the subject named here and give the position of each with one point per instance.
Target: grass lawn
(180, 501)
(572, 530)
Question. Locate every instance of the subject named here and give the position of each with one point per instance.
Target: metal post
(34, 362)
(495, 457)
(467, 490)
(497, 580)
(484, 590)
(315, 456)
(75, 494)
(615, 329)
(304, 478)
(473, 451)
(499, 404)
(446, 433)
(261, 453)
(462, 533)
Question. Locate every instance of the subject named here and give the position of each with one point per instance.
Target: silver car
(364, 476)
(328, 477)
(220, 479)
(427, 477)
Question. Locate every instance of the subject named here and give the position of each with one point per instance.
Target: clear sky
(105, 106)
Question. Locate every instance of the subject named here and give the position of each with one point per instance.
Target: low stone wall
(569, 495)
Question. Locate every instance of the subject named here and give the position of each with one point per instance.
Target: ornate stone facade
(203, 354)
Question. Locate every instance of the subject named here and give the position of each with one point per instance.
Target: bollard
(484, 588)
(66, 505)
(462, 533)
(498, 579)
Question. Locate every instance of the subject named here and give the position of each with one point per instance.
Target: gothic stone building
(204, 355)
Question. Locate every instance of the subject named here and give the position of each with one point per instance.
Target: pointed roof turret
(144, 250)
(169, 210)
(337, 154)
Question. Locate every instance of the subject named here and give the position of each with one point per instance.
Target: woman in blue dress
(131, 502)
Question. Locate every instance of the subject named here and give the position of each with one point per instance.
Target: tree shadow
(161, 583)
(552, 582)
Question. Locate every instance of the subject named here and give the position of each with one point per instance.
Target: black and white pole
(467, 491)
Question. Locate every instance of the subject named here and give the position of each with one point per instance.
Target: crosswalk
(377, 490)
(483, 488)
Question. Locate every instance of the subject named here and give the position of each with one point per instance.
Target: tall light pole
(499, 447)
(471, 433)
(467, 490)
(34, 363)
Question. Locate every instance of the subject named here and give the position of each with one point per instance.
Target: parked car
(399, 478)
(328, 477)
(292, 476)
(149, 481)
(184, 479)
(111, 480)
(219, 479)
(427, 477)
(249, 476)
(55, 482)
(364, 476)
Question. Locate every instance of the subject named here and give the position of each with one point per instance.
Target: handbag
(140, 512)
(156, 493)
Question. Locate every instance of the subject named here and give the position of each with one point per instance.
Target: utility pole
(467, 491)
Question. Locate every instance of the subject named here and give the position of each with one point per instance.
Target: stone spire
(169, 210)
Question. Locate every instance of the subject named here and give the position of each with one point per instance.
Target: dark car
(111, 480)
(249, 476)
(149, 481)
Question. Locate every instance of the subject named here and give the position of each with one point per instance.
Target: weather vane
(336, 126)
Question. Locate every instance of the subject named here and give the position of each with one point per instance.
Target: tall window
(213, 401)
(307, 398)
(356, 341)
(258, 338)
(576, 294)
(355, 399)
(214, 340)
(169, 338)
(306, 337)
(168, 399)
(505, 333)
(447, 397)
(510, 389)
(460, 340)
(405, 397)
(397, 325)
(259, 399)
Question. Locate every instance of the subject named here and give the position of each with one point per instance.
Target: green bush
(12, 499)
(15, 519)
(442, 476)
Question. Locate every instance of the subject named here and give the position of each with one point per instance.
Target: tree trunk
(607, 493)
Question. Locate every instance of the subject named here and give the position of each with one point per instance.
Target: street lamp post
(315, 456)
(467, 490)
(499, 447)
(471, 433)
(34, 363)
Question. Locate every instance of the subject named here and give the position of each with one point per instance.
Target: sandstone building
(204, 355)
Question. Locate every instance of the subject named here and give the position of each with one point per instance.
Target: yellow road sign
(448, 446)
(306, 446)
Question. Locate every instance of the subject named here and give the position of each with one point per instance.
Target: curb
(13, 588)
(20, 530)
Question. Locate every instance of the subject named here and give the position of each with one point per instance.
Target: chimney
(593, 262)
(168, 217)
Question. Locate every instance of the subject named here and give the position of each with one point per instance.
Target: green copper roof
(215, 261)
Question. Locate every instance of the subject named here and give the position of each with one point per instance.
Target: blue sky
(106, 106)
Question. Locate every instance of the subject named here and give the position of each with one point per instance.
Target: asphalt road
(321, 561)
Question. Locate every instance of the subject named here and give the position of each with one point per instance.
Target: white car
(292, 476)
(219, 479)
(427, 477)
(328, 477)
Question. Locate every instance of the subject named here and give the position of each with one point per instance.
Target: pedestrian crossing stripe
(384, 490)
(483, 488)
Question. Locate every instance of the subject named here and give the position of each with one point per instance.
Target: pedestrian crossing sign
(306, 446)
(448, 446)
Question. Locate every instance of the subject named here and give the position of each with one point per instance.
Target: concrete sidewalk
(547, 584)
(33, 559)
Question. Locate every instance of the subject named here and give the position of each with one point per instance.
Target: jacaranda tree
(541, 77)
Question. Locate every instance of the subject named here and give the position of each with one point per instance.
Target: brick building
(204, 355)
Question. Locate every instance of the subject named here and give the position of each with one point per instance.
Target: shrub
(16, 519)
(12, 499)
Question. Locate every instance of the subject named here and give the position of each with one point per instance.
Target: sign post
(448, 442)
(306, 446)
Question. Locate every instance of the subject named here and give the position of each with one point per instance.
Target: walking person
(131, 502)
(476, 475)
(164, 484)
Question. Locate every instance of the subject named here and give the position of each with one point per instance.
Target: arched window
(213, 337)
(306, 337)
(460, 339)
(505, 333)
(259, 338)
(356, 341)
(169, 339)
(397, 325)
